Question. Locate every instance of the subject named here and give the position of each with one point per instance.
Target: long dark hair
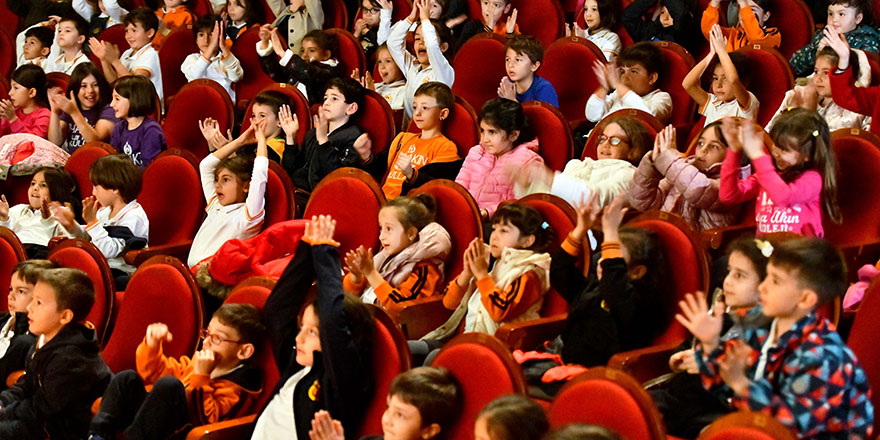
(81, 72)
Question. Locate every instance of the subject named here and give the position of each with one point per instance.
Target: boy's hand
(289, 123)
(424, 9)
(600, 73)
(588, 211)
(97, 47)
(90, 209)
(717, 40)
(732, 367)
(684, 361)
(277, 45)
(360, 27)
(260, 131)
(320, 229)
(248, 136)
(4, 209)
(203, 362)
(612, 217)
(322, 128)
(363, 145)
(64, 216)
(214, 41)
(404, 163)
(511, 22)
(156, 334)
(111, 51)
(352, 265)
(221, 40)
(209, 128)
(664, 141)
(695, 317)
(507, 89)
(325, 428)
(836, 41)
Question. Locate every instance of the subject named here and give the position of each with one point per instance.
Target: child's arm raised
(732, 188)
(710, 17)
(443, 71)
(644, 192)
(255, 202)
(739, 91)
(564, 275)
(508, 302)
(754, 32)
(384, 21)
(397, 42)
(691, 82)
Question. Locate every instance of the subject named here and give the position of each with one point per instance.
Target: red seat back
(555, 144)
(299, 106)
(573, 89)
(773, 77)
(201, 7)
(179, 44)
(4, 88)
(82, 159)
(795, 22)
(357, 218)
(611, 399)
(858, 156)
(115, 35)
(746, 425)
(16, 189)
(161, 290)
(8, 19)
(335, 14)
(863, 338)
(57, 79)
(647, 120)
(280, 205)
(460, 127)
(7, 56)
(377, 119)
(874, 62)
(677, 63)
(351, 54)
(458, 213)
(172, 197)
(195, 101)
(255, 80)
(11, 253)
(480, 62)
(80, 254)
(542, 18)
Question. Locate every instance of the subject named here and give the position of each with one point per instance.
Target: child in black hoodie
(672, 21)
(64, 373)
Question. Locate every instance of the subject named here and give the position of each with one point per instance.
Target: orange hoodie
(738, 37)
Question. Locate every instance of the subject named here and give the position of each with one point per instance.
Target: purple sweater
(780, 206)
(142, 144)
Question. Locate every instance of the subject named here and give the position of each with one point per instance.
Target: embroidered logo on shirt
(314, 390)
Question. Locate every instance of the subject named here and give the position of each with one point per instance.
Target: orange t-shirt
(421, 152)
(174, 18)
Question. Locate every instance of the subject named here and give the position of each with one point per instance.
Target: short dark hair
(81, 26)
(645, 54)
(862, 7)
(82, 72)
(31, 76)
(507, 116)
(246, 319)
(434, 391)
(206, 23)
(73, 289)
(740, 64)
(254, 11)
(351, 90)
(144, 16)
(819, 266)
(529, 222)
(41, 33)
(609, 13)
(526, 45)
(273, 99)
(140, 93)
(29, 270)
(241, 165)
(439, 91)
(117, 171)
(515, 416)
(323, 40)
(62, 187)
(581, 431)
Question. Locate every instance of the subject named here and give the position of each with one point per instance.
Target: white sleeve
(632, 100)
(234, 71)
(571, 189)
(443, 71)
(597, 107)
(660, 105)
(217, 5)
(14, 213)
(195, 66)
(84, 9)
(256, 198)
(610, 45)
(109, 246)
(206, 172)
(397, 46)
(784, 105)
(54, 51)
(384, 26)
(114, 10)
(263, 52)
(314, 13)
(277, 6)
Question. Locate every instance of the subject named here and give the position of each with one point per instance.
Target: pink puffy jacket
(484, 177)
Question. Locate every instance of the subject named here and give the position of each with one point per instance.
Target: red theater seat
(115, 35)
(555, 143)
(677, 63)
(195, 101)
(82, 159)
(479, 67)
(795, 22)
(858, 159)
(254, 79)
(377, 120)
(351, 54)
(335, 14)
(299, 106)
(57, 79)
(280, 204)
(11, 253)
(179, 44)
(772, 76)
(746, 425)
(542, 18)
(573, 85)
(7, 56)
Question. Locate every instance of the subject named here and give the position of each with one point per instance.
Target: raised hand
(45, 211)
(260, 130)
(320, 229)
(695, 317)
(414, 14)
(289, 122)
(479, 260)
(7, 110)
(248, 136)
(588, 211)
(368, 82)
(4, 209)
(507, 89)
(836, 41)
(66, 104)
(203, 362)
(665, 140)
(326, 428)
(266, 32)
(717, 40)
(352, 265)
(214, 41)
(599, 72)
(111, 51)
(732, 133)
(360, 27)
(64, 216)
(90, 209)
(612, 217)
(424, 9)
(752, 139)
(277, 45)
(221, 39)
(732, 366)
(296, 5)
(386, 4)
(156, 334)
(322, 128)
(98, 48)
(209, 128)
(363, 145)
(612, 75)
(511, 22)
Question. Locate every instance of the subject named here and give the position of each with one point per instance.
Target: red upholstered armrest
(718, 237)
(644, 364)
(13, 378)
(420, 316)
(528, 335)
(177, 250)
(234, 429)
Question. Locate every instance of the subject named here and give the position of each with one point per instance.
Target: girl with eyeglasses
(374, 26)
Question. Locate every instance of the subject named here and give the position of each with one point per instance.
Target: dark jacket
(314, 75)
(54, 397)
(340, 379)
(19, 347)
(641, 27)
(311, 163)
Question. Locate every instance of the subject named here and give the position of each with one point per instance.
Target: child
(422, 404)
(120, 223)
(685, 186)
(34, 44)
(623, 141)
(817, 93)
(140, 59)
(26, 109)
(430, 63)
(851, 18)
(511, 417)
(686, 407)
(84, 116)
(271, 106)
(311, 71)
(492, 19)
(843, 80)
(32, 222)
(64, 373)
(67, 53)
(330, 367)
(600, 16)
(513, 290)
(523, 56)
(136, 134)
(373, 28)
(294, 20)
(751, 28)
(234, 189)
(217, 383)
(172, 15)
(504, 130)
(393, 86)
(795, 185)
(728, 96)
(410, 151)
(410, 264)
(672, 21)
(798, 371)
(15, 339)
(639, 72)
(241, 15)
(100, 14)
(214, 61)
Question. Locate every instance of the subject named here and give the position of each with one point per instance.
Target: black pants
(686, 407)
(126, 406)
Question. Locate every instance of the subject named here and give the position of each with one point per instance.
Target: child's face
(613, 143)
(494, 140)
(785, 158)
(370, 13)
(709, 150)
(435, 11)
(68, 36)
(230, 188)
(759, 12)
(665, 17)
(172, 3)
(637, 78)
(780, 293)
(20, 294)
(105, 196)
(419, 47)
(843, 17)
(493, 10)
(388, 69)
(225, 342)
(263, 111)
(721, 87)
(823, 67)
(519, 66)
(393, 236)
(120, 105)
(203, 40)
(236, 10)
(308, 340)
(138, 37)
(741, 282)
(335, 108)
(33, 48)
(505, 235)
(591, 14)
(89, 92)
(20, 95)
(401, 420)
(44, 318)
(312, 52)
(427, 113)
(38, 191)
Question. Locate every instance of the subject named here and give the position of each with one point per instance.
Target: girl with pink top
(793, 186)
(26, 109)
(484, 173)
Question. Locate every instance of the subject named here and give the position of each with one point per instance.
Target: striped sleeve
(512, 301)
(425, 280)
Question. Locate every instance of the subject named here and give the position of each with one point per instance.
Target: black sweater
(684, 29)
(314, 75)
(311, 163)
(19, 346)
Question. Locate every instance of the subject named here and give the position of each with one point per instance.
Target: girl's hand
(7, 110)
(4, 209)
(360, 27)
(464, 278)
(45, 211)
(66, 104)
(612, 217)
(752, 139)
(368, 82)
(507, 89)
(684, 361)
(511, 22)
(404, 163)
(386, 4)
(365, 260)
(90, 209)
(664, 141)
(363, 145)
(64, 216)
(203, 362)
(479, 260)
(717, 40)
(157, 333)
(325, 428)
(289, 121)
(424, 9)
(322, 128)
(695, 317)
(414, 14)
(599, 72)
(277, 45)
(731, 131)
(588, 211)
(732, 367)
(248, 136)
(209, 128)
(266, 32)
(352, 265)
(320, 229)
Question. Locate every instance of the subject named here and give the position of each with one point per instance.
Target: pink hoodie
(781, 207)
(482, 174)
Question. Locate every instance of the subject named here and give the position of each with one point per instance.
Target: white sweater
(439, 68)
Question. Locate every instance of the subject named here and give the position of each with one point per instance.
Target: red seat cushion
(541, 18)
(7, 56)
(16, 189)
(386, 366)
(335, 14)
(10, 255)
(172, 197)
(194, 102)
(377, 119)
(78, 258)
(179, 44)
(279, 197)
(458, 213)
(863, 338)
(600, 402)
(739, 433)
(264, 358)
(795, 22)
(480, 63)
(573, 89)
(460, 127)
(858, 159)
(353, 204)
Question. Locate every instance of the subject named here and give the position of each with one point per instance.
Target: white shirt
(224, 71)
(57, 63)
(20, 60)
(394, 93)
(236, 220)
(114, 11)
(607, 41)
(277, 420)
(6, 334)
(145, 58)
(438, 69)
(716, 109)
(657, 103)
(30, 226)
(131, 216)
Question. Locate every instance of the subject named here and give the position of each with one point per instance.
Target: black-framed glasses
(215, 339)
(371, 11)
(613, 140)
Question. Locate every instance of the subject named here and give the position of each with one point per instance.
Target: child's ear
(151, 35)
(636, 273)
(81, 40)
(351, 109)
(653, 77)
(45, 51)
(412, 233)
(809, 299)
(430, 431)
(526, 241)
(246, 186)
(859, 18)
(444, 47)
(32, 93)
(327, 55)
(444, 113)
(513, 135)
(507, 8)
(535, 66)
(66, 316)
(245, 351)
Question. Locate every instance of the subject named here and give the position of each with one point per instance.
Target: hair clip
(815, 133)
(545, 225)
(765, 247)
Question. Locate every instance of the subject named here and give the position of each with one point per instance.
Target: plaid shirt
(812, 382)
